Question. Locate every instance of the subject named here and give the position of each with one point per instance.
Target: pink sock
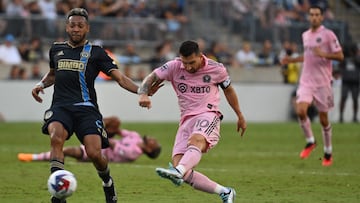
(190, 159)
(327, 134)
(200, 181)
(306, 127)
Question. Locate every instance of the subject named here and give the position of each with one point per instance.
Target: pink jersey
(317, 71)
(126, 149)
(197, 92)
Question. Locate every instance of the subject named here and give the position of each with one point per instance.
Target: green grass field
(263, 166)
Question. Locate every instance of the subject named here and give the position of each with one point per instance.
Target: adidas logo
(60, 53)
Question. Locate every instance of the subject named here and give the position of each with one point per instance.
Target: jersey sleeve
(334, 42)
(165, 71)
(105, 62)
(51, 57)
(224, 78)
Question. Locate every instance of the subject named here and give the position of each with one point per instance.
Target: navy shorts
(81, 120)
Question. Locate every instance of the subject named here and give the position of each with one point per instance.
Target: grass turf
(264, 167)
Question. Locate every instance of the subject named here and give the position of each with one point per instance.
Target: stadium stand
(147, 24)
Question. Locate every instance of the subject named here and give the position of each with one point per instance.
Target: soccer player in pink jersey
(196, 80)
(321, 46)
(127, 149)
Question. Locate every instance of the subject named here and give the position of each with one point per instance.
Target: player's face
(192, 63)
(77, 27)
(151, 143)
(315, 17)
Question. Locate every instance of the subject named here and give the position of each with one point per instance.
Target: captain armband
(225, 84)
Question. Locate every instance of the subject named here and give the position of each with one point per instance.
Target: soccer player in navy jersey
(74, 66)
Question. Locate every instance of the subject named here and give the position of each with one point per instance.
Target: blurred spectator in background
(48, 11)
(246, 57)
(17, 72)
(211, 52)
(109, 9)
(242, 16)
(9, 53)
(93, 8)
(23, 75)
(3, 22)
(62, 7)
(14, 73)
(23, 49)
(130, 55)
(158, 58)
(16, 9)
(174, 17)
(350, 74)
(139, 9)
(291, 71)
(219, 52)
(286, 45)
(36, 72)
(202, 44)
(267, 56)
(36, 23)
(163, 52)
(36, 52)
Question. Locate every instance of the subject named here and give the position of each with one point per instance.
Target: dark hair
(317, 7)
(78, 12)
(189, 47)
(154, 153)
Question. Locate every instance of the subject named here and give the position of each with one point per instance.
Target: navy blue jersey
(75, 72)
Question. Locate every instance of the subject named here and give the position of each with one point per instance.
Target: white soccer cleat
(228, 197)
(171, 174)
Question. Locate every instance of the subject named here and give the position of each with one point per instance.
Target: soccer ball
(62, 184)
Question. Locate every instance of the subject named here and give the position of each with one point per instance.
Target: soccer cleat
(305, 153)
(176, 182)
(228, 197)
(110, 193)
(25, 157)
(56, 200)
(327, 161)
(171, 174)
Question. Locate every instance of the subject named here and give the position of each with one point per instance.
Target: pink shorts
(206, 124)
(323, 97)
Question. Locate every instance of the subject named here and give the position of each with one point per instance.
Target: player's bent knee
(94, 154)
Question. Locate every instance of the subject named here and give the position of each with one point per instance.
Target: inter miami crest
(206, 78)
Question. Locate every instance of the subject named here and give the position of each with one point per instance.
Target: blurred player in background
(321, 46)
(350, 81)
(127, 149)
(74, 66)
(196, 81)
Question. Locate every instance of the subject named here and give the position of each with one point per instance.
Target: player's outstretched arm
(45, 82)
(124, 81)
(149, 86)
(233, 101)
